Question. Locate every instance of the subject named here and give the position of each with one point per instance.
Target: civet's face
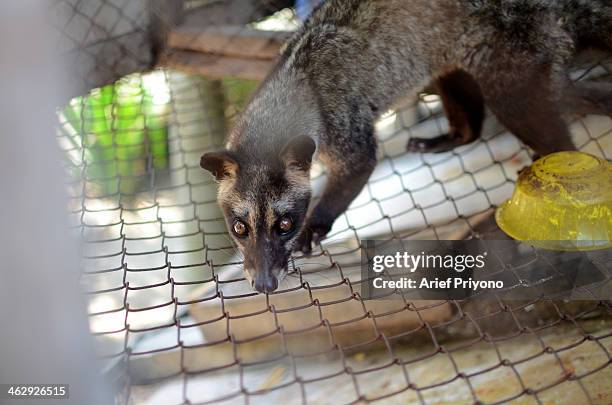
(265, 205)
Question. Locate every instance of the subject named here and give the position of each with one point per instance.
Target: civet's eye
(285, 225)
(239, 229)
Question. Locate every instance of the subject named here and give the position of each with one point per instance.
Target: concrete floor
(436, 377)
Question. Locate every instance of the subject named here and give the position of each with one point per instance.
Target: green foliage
(117, 134)
(121, 126)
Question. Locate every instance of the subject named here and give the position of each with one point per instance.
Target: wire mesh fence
(169, 305)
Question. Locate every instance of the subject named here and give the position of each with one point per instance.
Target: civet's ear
(221, 164)
(298, 151)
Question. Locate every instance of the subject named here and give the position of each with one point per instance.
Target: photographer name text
(410, 263)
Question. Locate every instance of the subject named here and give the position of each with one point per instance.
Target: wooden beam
(222, 51)
(216, 66)
(228, 40)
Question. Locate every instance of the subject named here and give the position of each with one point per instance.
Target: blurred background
(127, 95)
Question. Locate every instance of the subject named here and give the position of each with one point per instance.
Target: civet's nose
(265, 283)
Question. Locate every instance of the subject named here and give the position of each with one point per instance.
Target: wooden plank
(217, 67)
(229, 40)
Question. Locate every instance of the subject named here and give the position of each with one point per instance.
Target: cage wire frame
(165, 234)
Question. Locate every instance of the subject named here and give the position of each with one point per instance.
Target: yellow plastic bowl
(562, 202)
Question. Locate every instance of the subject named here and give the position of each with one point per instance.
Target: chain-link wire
(168, 303)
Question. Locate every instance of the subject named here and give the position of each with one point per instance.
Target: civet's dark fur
(352, 59)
